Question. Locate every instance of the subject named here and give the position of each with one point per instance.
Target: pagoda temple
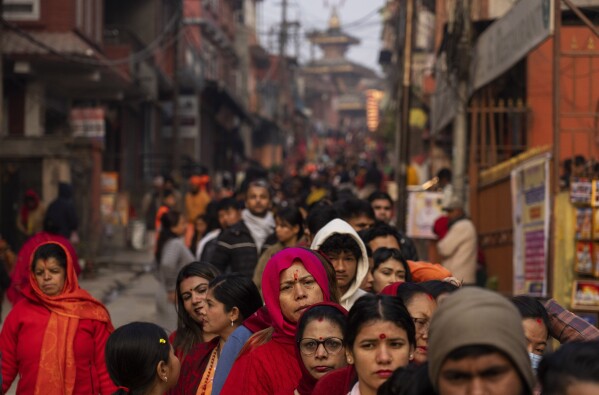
(347, 80)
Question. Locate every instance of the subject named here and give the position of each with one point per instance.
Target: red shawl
(391, 290)
(25, 209)
(273, 366)
(57, 368)
(193, 367)
(19, 279)
(258, 321)
(337, 382)
(283, 329)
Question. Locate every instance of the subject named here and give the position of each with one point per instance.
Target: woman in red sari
(293, 280)
(191, 287)
(54, 339)
(231, 298)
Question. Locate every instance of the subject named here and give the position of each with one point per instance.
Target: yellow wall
(564, 215)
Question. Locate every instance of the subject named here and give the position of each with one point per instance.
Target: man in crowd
(458, 249)
(356, 212)
(383, 235)
(382, 205)
(340, 243)
(239, 246)
(477, 346)
(227, 214)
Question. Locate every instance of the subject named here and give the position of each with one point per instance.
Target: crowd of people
(291, 288)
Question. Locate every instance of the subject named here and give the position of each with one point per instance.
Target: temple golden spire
(334, 22)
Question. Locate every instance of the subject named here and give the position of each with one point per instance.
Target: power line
(141, 55)
(362, 19)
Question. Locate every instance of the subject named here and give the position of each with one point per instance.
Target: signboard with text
(510, 38)
(531, 217)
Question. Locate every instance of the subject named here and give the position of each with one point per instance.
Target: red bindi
(320, 338)
(295, 275)
(430, 297)
(539, 321)
(382, 336)
(320, 319)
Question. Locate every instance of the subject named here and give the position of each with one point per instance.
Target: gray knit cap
(475, 316)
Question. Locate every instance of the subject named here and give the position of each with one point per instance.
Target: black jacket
(61, 216)
(407, 247)
(236, 250)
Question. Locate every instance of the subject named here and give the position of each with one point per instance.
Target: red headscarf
(391, 290)
(25, 209)
(57, 360)
(283, 329)
(307, 382)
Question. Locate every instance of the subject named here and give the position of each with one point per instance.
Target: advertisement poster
(531, 216)
(585, 295)
(423, 210)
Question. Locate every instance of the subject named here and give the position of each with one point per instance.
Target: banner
(531, 210)
(423, 210)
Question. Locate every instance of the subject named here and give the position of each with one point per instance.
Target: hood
(341, 227)
(65, 190)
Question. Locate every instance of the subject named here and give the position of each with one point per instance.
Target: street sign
(509, 39)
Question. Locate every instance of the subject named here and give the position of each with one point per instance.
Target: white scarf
(260, 227)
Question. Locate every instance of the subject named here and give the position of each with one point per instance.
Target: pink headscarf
(283, 329)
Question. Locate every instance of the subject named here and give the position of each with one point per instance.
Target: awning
(57, 46)
(223, 96)
(66, 43)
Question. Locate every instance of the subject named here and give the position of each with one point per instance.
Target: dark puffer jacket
(236, 250)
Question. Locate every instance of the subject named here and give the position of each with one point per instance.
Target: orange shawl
(57, 370)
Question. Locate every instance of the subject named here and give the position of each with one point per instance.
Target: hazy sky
(314, 14)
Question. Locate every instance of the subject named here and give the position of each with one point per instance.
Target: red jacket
(21, 342)
(265, 370)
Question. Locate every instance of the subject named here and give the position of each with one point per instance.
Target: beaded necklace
(205, 387)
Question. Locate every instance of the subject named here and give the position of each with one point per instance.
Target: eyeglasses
(332, 345)
(421, 324)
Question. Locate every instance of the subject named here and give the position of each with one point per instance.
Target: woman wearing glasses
(421, 305)
(319, 339)
(293, 280)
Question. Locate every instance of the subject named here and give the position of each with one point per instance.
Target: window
(21, 10)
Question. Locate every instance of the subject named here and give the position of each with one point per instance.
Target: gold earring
(165, 379)
(232, 322)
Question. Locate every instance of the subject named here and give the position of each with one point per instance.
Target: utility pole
(176, 150)
(460, 125)
(2, 131)
(402, 119)
(282, 64)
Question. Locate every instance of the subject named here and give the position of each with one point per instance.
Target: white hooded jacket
(339, 226)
